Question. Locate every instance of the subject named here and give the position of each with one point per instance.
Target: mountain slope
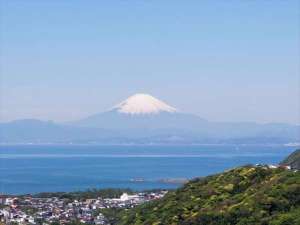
(293, 160)
(36, 131)
(243, 196)
(163, 120)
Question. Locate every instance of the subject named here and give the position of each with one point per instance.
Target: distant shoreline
(87, 144)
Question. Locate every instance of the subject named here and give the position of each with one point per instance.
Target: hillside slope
(243, 196)
(293, 160)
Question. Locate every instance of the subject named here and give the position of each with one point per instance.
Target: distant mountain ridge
(39, 132)
(143, 119)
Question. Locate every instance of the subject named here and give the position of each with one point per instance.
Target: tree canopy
(243, 196)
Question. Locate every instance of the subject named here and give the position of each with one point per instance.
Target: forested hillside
(293, 160)
(244, 196)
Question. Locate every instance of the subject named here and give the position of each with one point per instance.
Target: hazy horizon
(64, 61)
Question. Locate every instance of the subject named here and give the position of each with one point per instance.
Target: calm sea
(32, 169)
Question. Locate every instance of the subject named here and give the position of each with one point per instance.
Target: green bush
(242, 196)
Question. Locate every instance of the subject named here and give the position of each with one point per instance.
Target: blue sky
(222, 60)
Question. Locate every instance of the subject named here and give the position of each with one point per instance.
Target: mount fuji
(143, 116)
(144, 119)
(143, 104)
(141, 111)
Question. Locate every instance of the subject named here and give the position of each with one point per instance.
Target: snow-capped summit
(143, 104)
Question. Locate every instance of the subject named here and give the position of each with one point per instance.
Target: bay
(51, 168)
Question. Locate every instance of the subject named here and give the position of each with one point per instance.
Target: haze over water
(32, 169)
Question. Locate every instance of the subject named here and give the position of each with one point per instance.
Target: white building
(125, 197)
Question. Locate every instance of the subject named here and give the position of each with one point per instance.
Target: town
(56, 210)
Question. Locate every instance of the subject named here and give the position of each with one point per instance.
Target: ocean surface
(49, 168)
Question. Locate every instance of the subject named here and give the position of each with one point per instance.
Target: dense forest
(247, 195)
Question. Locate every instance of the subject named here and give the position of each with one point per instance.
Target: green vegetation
(71, 223)
(28, 210)
(293, 160)
(242, 196)
(88, 194)
(111, 214)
